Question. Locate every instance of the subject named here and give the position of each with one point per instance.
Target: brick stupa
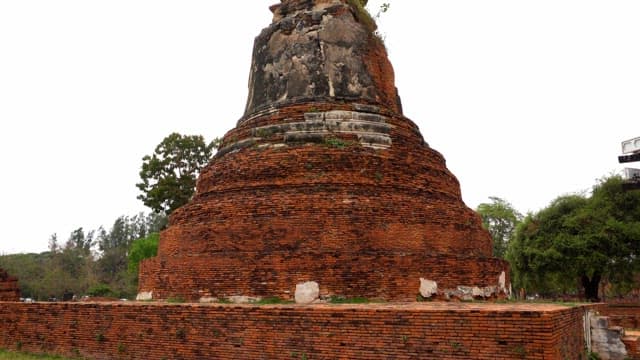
(323, 179)
(9, 290)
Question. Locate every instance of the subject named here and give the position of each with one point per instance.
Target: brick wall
(9, 290)
(358, 220)
(625, 315)
(389, 276)
(186, 331)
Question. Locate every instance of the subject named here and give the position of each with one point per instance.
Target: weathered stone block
(428, 288)
(307, 293)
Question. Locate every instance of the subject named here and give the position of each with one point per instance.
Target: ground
(7, 355)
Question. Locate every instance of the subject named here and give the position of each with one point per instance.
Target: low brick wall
(373, 331)
(625, 315)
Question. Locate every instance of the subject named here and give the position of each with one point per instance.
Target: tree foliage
(578, 241)
(141, 249)
(87, 263)
(169, 174)
(500, 218)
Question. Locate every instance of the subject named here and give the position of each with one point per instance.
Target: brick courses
(374, 331)
(625, 315)
(9, 290)
(322, 181)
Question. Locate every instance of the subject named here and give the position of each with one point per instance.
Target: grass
(339, 143)
(10, 355)
(353, 300)
(176, 300)
(272, 301)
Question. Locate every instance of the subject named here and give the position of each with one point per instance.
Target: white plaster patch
(428, 288)
(144, 296)
(502, 281)
(243, 299)
(208, 300)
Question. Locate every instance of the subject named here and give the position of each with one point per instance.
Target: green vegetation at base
(176, 300)
(10, 355)
(345, 300)
(272, 301)
(339, 143)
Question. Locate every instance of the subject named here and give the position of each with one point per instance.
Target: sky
(527, 100)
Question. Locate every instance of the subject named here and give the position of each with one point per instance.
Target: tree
(53, 243)
(80, 241)
(169, 174)
(116, 246)
(500, 218)
(143, 249)
(580, 240)
(78, 266)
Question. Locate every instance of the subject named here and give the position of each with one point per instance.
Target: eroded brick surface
(625, 315)
(9, 290)
(416, 331)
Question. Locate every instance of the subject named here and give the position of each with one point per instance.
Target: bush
(100, 290)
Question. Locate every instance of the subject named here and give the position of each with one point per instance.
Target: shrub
(100, 290)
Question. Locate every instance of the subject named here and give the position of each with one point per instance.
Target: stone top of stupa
(320, 50)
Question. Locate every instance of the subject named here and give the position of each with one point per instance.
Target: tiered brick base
(380, 275)
(366, 210)
(9, 290)
(411, 331)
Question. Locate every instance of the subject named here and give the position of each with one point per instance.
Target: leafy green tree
(143, 249)
(30, 269)
(580, 240)
(169, 174)
(79, 266)
(115, 246)
(500, 218)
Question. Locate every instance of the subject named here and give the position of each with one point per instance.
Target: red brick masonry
(625, 315)
(378, 331)
(359, 221)
(9, 290)
(323, 179)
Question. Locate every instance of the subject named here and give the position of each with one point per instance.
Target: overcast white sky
(527, 100)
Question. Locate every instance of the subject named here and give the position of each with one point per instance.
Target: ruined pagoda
(324, 179)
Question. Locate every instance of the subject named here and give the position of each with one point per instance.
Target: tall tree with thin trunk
(500, 218)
